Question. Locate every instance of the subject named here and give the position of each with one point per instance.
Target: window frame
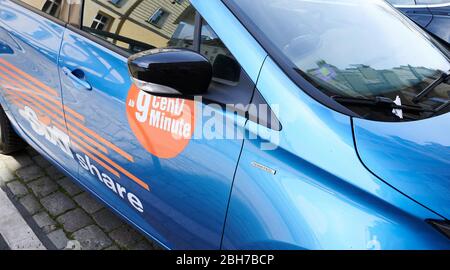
(164, 18)
(52, 4)
(40, 12)
(119, 4)
(107, 25)
(79, 30)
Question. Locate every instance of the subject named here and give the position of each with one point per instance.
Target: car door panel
(28, 64)
(182, 198)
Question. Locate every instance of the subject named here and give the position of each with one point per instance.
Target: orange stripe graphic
(92, 142)
(46, 103)
(31, 78)
(27, 103)
(112, 163)
(115, 165)
(74, 122)
(80, 126)
(89, 154)
(99, 138)
(39, 90)
(18, 101)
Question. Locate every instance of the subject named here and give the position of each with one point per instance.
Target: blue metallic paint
(322, 196)
(413, 157)
(30, 36)
(189, 194)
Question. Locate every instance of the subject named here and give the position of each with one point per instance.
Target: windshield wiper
(378, 102)
(444, 78)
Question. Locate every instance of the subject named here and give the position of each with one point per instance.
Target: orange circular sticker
(163, 126)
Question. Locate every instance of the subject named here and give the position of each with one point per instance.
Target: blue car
(238, 124)
(432, 15)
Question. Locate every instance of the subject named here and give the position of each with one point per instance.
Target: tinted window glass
(56, 8)
(225, 67)
(350, 48)
(140, 25)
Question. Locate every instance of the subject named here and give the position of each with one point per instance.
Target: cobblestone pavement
(62, 210)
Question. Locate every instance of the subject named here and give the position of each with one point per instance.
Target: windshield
(351, 48)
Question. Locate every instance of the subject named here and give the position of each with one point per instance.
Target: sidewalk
(61, 214)
(15, 233)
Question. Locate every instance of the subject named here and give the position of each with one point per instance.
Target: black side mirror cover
(171, 72)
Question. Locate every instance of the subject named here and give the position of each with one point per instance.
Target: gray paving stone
(30, 203)
(126, 236)
(18, 161)
(58, 238)
(107, 220)
(69, 186)
(57, 203)
(41, 161)
(30, 173)
(92, 238)
(43, 187)
(6, 175)
(54, 173)
(143, 245)
(88, 203)
(74, 220)
(45, 222)
(17, 189)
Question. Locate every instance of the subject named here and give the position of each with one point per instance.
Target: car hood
(413, 157)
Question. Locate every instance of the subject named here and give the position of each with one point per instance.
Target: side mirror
(226, 69)
(171, 72)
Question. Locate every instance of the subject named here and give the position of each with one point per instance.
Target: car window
(225, 67)
(402, 2)
(140, 25)
(58, 9)
(350, 48)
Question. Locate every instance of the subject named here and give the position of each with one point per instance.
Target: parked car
(432, 15)
(267, 124)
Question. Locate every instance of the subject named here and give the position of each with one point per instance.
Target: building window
(51, 7)
(159, 17)
(116, 2)
(101, 22)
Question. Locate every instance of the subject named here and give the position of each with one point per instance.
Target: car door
(172, 183)
(418, 13)
(30, 41)
(440, 26)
